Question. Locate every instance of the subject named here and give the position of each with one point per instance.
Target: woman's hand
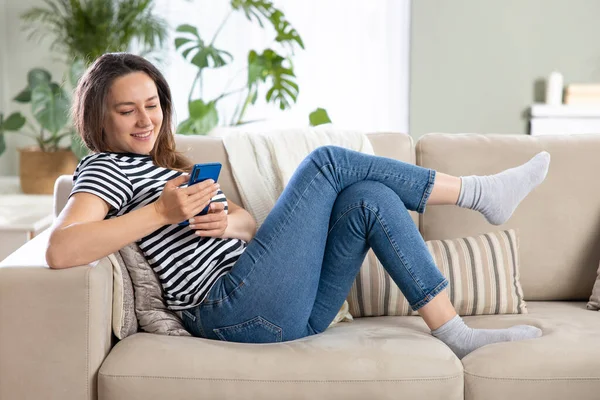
(177, 204)
(213, 224)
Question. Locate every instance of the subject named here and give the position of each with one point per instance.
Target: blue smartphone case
(200, 173)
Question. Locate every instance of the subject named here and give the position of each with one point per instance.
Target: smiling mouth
(142, 134)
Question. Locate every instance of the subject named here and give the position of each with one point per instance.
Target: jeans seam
(396, 176)
(396, 250)
(352, 207)
(434, 292)
(197, 322)
(271, 327)
(426, 192)
(274, 235)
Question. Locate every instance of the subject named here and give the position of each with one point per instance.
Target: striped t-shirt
(187, 265)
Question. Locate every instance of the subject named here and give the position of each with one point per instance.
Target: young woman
(289, 279)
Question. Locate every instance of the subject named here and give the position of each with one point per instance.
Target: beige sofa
(55, 326)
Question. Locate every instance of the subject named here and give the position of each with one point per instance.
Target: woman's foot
(497, 196)
(463, 340)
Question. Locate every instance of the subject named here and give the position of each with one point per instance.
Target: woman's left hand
(213, 224)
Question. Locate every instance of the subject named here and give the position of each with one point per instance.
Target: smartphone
(200, 173)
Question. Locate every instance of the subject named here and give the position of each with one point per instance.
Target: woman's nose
(144, 119)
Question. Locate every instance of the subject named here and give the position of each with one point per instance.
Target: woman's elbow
(54, 260)
(56, 257)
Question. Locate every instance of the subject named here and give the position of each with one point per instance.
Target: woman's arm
(81, 235)
(238, 223)
(241, 224)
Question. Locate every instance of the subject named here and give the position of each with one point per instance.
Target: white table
(22, 216)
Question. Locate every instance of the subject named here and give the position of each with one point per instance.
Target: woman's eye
(152, 106)
(125, 112)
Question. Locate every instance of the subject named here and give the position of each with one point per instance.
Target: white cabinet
(564, 119)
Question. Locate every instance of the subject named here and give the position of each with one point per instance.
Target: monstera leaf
(50, 106)
(35, 77)
(263, 10)
(203, 117)
(14, 122)
(200, 54)
(271, 66)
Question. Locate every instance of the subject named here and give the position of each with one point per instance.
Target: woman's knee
(375, 195)
(326, 154)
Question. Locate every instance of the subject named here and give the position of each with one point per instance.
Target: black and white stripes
(187, 265)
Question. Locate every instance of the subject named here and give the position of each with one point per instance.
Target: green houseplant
(271, 67)
(50, 103)
(86, 29)
(81, 30)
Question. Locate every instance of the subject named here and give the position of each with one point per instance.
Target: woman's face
(134, 115)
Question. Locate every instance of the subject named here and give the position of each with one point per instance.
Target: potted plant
(42, 163)
(272, 67)
(81, 30)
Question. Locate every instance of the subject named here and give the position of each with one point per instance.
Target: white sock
(462, 340)
(497, 196)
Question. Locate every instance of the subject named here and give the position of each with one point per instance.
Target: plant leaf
(203, 117)
(180, 41)
(50, 107)
(76, 71)
(2, 143)
(262, 11)
(319, 117)
(271, 66)
(14, 122)
(186, 28)
(202, 56)
(24, 96)
(38, 76)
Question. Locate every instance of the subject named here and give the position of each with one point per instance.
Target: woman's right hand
(177, 204)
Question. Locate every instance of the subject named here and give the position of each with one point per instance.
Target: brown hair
(89, 106)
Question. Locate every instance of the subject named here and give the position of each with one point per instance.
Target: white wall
(17, 56)
(355, 62)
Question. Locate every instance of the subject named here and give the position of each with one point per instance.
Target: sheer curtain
(355, 63)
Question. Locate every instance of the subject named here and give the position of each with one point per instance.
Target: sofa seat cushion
(563, 364)
(369, 358)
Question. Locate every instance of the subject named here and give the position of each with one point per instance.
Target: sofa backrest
(211, 149)
(558, 224)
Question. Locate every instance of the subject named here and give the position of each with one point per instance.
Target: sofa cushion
(563, 364)
(370, 358)
(124, 320)
(150, 307)
(558, 222)
(482, 273)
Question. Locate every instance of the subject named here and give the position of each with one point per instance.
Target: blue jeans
(297, 271)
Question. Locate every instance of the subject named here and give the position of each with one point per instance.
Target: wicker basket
(39, 170)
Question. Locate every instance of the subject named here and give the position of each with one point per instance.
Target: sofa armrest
(55, 325)
(62, 190)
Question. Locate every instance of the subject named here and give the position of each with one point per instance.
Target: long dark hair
(89, 106)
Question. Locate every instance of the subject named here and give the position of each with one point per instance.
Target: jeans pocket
(255, 330)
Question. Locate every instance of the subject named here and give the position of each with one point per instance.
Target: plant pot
(39, 170)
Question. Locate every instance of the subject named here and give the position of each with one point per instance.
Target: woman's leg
(269, 293)
(277, 277)
(370, 215)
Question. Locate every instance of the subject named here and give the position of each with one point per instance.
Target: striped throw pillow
(483, 275)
